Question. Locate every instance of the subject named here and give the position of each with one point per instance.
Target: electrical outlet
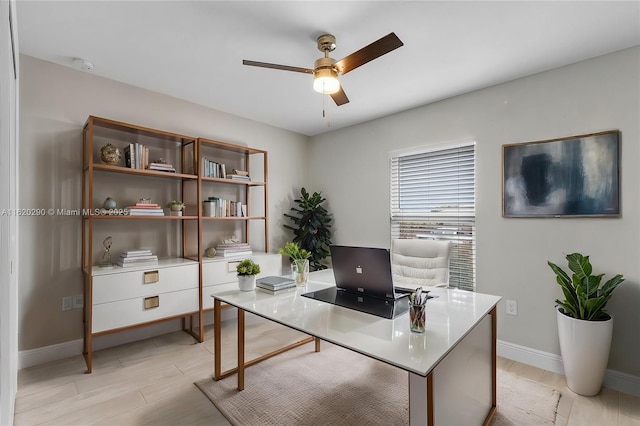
(512, 307)
(78, 301)
(67, 303)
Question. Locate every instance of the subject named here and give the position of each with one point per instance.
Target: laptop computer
(363, 282)
(364, 271)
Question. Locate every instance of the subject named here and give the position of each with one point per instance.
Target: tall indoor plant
(312, 227)
(584, 327)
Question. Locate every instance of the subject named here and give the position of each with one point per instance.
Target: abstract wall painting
(576, 176)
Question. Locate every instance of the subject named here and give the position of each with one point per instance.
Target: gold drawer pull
(231, 266)
(151, 277)
(151, 302)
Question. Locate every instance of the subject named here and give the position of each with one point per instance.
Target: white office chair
(420, 262)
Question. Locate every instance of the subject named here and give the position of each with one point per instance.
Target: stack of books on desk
(130, 258)
(274, 284)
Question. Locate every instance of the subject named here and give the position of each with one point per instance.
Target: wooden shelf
(142, 172)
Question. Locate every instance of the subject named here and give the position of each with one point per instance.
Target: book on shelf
(136, 156)
(234, 253)
(233, 246)
(233, 176)
(219, 207)
(146, 206)
(162, 167)
(140, 263)
(240, 172)
(138, 259)
(133, 253)
(133, 211)
(233, 249)
(213, 169)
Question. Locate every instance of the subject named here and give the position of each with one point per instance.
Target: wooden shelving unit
(117, 298)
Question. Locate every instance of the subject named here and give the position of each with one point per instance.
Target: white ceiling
(193, 50)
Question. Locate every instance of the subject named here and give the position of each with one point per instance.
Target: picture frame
(576, 176)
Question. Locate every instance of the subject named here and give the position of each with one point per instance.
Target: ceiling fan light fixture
(325, 81)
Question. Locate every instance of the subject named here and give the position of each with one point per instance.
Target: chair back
(420, 262)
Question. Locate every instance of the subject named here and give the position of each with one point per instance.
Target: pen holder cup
(417, 316)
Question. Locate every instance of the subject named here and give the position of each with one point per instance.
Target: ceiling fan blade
(277, 67)
(368, 53)
(340, 98)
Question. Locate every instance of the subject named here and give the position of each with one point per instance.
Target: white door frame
(8, 204)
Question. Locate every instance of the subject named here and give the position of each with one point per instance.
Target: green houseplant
(584, 327)
(299, 259)
(585, 298)
(312, 230)
(175, 206)
(247, 270)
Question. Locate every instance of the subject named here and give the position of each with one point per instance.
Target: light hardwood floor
(150, 382)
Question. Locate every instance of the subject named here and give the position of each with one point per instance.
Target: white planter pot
(584, 346)
(247, 282)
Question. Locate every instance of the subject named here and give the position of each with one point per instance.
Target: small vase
(300, 269)
(247, 282)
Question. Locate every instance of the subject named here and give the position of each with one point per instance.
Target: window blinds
(433, 196)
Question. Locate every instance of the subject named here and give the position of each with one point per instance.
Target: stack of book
(162, 167)
(239, 175)
(130, 258)
(233, 249)
(213, 169)
(145, 209)
(274, 284)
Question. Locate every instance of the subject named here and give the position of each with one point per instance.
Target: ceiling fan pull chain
(325, 112)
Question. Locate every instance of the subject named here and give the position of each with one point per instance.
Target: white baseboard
(46, 354)
(615, 380)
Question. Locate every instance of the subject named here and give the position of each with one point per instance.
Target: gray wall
(350, 166)
(54, 105)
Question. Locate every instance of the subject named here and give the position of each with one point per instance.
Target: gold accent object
(110, 154)
(151, 302)
(151, 277)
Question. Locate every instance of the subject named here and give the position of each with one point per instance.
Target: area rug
(340, 387)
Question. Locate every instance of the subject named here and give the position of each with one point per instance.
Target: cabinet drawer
(127, 285)
(124, 313)
(224, 271)
(220, 272)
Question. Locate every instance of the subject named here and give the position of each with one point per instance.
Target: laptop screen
(363, 270)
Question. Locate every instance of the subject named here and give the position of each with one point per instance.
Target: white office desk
(451, 367)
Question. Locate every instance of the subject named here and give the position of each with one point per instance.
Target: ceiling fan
(325, 70)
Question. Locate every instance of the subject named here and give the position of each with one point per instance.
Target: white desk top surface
(450, 317)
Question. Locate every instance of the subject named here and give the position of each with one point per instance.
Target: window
(433, 196)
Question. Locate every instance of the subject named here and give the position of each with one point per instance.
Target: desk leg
(241, 349)
(317, 339)
(420, 400)
(217, 340)
(460, 390)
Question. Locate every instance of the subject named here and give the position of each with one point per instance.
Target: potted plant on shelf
(299, 261)
(247, 270)
(176, 207)
(584, 327)
(312, 229)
